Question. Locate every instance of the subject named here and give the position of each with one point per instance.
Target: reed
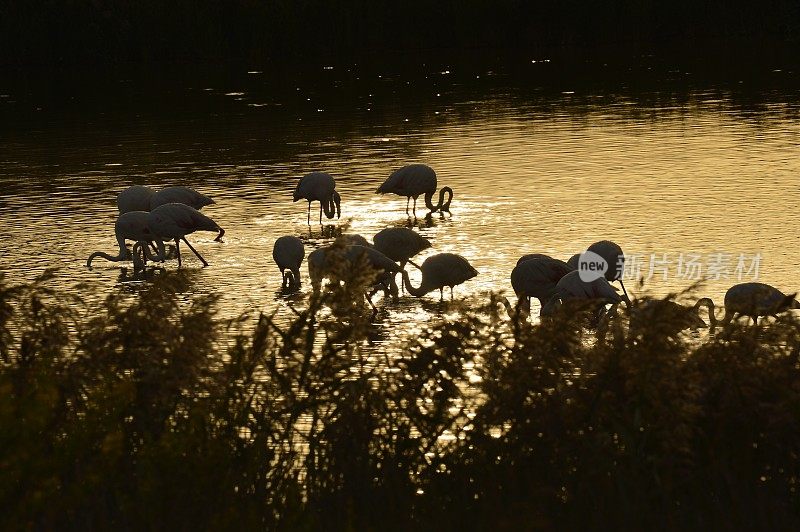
(153, 413)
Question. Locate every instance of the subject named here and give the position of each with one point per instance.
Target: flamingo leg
(320, 213)
(627, 299)
(309, 212)
(178, 251)
(371, 304)
(415, 207)
(441, 294)
(408, 201)
(195, 252)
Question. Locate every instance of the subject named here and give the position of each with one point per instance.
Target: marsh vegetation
(156, 414)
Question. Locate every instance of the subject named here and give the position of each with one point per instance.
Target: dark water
(694, 165)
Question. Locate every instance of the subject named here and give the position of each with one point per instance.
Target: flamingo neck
(708, 303)
(521, 309)
(102, 255)
(416, 292)
(429, 203)
(331, 206)
(161, 254)
(445, 205)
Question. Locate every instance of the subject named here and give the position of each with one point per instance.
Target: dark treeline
(108, 31)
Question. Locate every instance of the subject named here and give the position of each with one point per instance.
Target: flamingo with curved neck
(414, 180)
(131, 225)
(319, 186)
(438, 271)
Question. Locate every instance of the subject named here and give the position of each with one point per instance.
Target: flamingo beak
(219, 236)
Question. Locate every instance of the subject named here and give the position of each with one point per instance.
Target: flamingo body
(176, 220)
(288, 253)
(319, 186)
(132, 226)
(135, 198)
(400, 243)
(440, 270)
(177, 194)
(414, 180)
(538, 277)
(757, 299)
(614, 257)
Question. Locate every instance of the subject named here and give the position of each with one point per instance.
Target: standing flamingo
(319, 186)
(438, 271)
(130, 226)
(288, 253)
(414, 180)
(176, 220)
(756, 299)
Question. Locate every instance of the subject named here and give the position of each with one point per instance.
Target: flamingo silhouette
(438, 271)
(414, 180)
(612, 254)
(756, 299)
(400, 244)
(288, 253)
(135, 198)
(671, 313)
(320, 265)
(143, 198)
(535, 275)
(319, 186)
(571, 287)
(133, 226)
(176, 220)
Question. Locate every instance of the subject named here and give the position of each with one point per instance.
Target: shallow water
(660, 159)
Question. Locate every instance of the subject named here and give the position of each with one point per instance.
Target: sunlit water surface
(539, 162)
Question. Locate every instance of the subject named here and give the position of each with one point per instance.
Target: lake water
(544, 155)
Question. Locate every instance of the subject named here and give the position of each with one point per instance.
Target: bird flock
(148, 218)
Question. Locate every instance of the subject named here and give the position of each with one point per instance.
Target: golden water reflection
(691, 177)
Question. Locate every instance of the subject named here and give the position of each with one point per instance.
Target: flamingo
(438, 271)
(571, 287)
(133, 226)
(288, 253)
(176, 220)
(135, 198)
(756, 299)
(612, 254)
(672, 313)
(400, 244)
(536, 277)
(142, 198)
(414, 180)
(320, 266)
(319, 186)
